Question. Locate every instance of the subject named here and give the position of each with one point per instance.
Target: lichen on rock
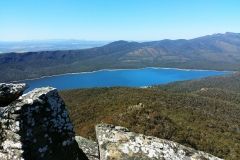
(37, 126)
(90, 148)
(118, 143)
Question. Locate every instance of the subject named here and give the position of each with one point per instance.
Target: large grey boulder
(37, 126)
(117, 142)
(10, 92)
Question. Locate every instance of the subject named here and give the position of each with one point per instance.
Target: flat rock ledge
(10, 92)
(117, 142)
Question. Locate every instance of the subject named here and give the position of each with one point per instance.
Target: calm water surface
(131, 78)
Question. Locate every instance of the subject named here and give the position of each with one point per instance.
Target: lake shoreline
(140, 78)
(115, 70)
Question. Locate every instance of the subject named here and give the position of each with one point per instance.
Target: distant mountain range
(48, 45)
(216, 52)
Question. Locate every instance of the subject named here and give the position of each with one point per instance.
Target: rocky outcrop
(10, 92)
(89, 147)
(117, 142)
(37, 126)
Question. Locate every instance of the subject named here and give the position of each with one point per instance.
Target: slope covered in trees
(206, 119)
(192, 119)
(228, 82)
(215, 52)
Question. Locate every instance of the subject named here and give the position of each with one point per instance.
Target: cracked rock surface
(117, 142)
(37, 126)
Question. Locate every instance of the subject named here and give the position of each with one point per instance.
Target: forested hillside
(206, 119)
(229, 82)
(215, 52)
(15, 66)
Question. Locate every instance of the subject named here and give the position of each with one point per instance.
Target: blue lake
(130, 78)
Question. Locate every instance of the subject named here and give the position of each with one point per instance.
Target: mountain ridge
(215, 52)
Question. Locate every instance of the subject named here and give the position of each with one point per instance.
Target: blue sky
(116, 19)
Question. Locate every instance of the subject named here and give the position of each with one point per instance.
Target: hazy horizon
(83, 40)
